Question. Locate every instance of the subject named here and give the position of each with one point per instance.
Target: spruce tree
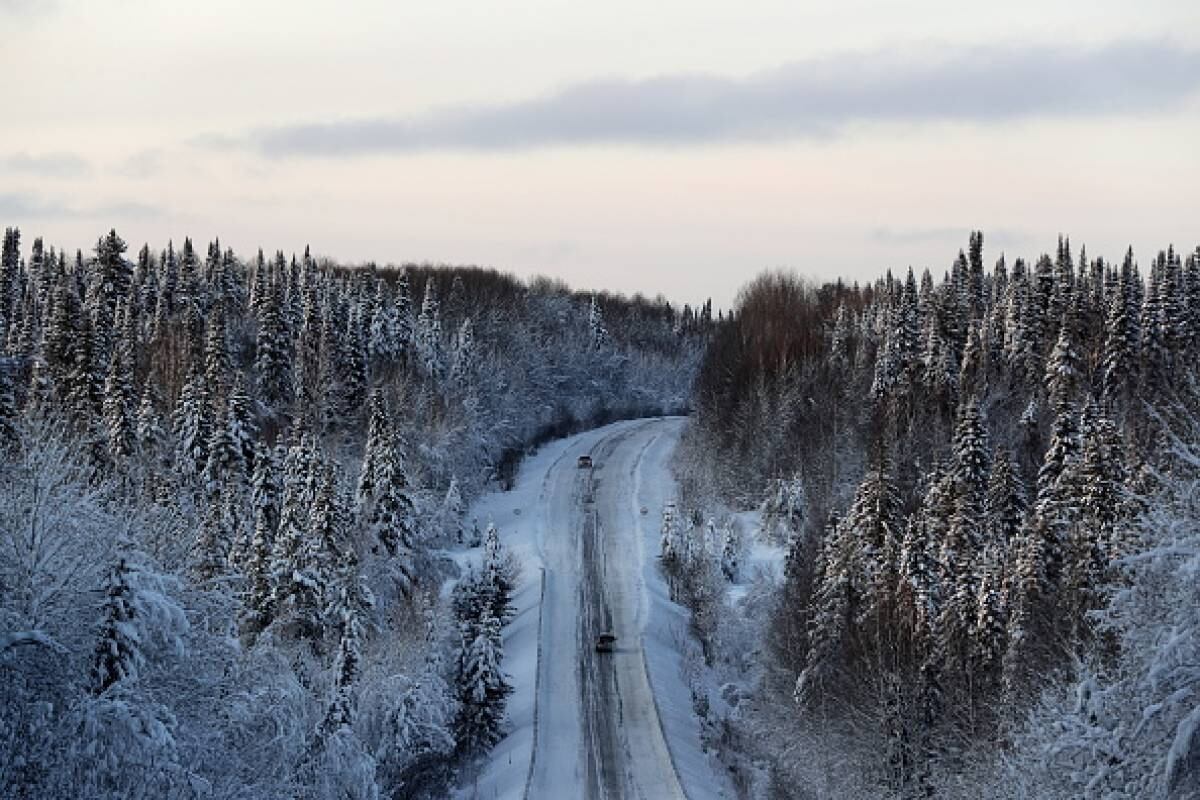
(1064, 367)
(1006, 501)
(483, 688)
(10, 436)
(265, 500)
(193, 423)
(118, 654)
(393, 518)
(351, 608)
(119, 406)
(274, 358)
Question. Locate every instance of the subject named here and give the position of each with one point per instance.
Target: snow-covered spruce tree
(257, 568)
(218, 534)
(118, 651)
(463, 360)
(501, 571)
(1006, 502)
(290, 585)
(378, 440)
(731, 553)
(193, 423)
(961, 550)
(10, 437)
(452, 513)
(483, 688)
(832, 619)
(138, 620)
(393, 518)
(274, 357)
(119, 403)
(1063, 368)
(218, 362)
(428, 333)
(226, 462)
(350, 609)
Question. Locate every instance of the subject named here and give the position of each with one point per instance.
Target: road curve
(598, 733)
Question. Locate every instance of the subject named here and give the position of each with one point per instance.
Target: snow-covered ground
(581, 724)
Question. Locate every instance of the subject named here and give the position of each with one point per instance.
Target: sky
(678, 147)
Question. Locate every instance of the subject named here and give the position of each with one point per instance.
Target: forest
(228, 494)
(984, 486)
(235, 492)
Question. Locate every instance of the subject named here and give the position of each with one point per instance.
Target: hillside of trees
(227, 493)
(986, 485)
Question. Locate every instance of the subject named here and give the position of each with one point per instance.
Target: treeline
(227, 495)
(958, 469)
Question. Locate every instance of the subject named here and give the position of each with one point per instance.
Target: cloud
(47, 165)
(803, 99)
(17, 205)
(142, 164)
(28, 7)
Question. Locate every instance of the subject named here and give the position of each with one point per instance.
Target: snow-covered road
(591, 724)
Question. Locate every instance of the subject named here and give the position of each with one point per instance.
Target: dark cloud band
(803, 99)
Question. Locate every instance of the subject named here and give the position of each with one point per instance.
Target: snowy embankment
(666, 631)
(534, 520)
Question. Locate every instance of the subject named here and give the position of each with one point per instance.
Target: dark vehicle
(605, 643)
(585, 462)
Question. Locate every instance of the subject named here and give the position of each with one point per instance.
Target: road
(598, 733)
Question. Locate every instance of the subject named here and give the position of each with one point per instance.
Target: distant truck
(585, 462)
(605, 642)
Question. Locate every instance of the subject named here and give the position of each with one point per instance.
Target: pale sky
(675, 146)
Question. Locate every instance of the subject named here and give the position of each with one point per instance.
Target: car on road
(605, 642)
(585, 462)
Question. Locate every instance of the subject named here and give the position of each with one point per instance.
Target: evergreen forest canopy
(231, 491)
(227, 491)
(986, 486)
